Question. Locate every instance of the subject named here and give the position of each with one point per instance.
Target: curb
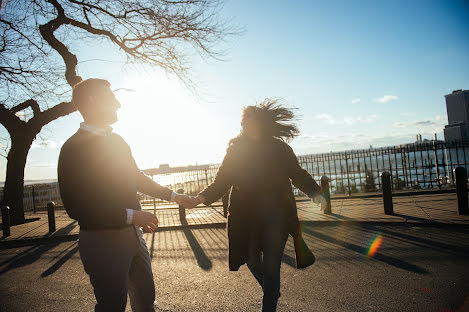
(22, 242)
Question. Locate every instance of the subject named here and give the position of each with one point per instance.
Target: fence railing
(412, 166)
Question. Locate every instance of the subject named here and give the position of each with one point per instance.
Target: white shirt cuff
(130, 216)
(173, 196)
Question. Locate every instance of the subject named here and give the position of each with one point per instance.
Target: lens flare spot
(374, 246)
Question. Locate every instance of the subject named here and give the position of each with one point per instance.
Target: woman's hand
(319, 199)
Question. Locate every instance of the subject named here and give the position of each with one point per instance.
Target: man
(98, 181)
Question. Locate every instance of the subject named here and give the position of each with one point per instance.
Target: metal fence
(36, 196)
(412, 166)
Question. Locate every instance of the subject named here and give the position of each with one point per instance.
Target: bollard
(6, 223)
(387, 193)
(326, 194)
(182, 210)
(51, 216)
(461, 190)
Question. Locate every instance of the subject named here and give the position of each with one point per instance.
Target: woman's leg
(255, 257)
(273, 240)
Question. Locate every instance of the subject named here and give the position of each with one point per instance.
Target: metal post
(34, 199)
(461, 190)
(51, 216)
(6, 221)
(387, 193)
(326, 194)
(182, 210)
(435, 154)
(348, 178)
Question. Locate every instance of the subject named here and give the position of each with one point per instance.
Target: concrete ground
(418, 267)
(423, 208)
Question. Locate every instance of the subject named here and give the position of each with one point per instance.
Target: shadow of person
(398, 263)
(202, 260)
(289, 260)
(32, 254)
(53, 268)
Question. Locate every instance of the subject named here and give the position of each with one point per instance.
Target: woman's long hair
(275, 118)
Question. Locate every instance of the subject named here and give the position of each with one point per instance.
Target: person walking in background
(259, 167)
(99, 180)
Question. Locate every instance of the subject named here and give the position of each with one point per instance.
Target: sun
(162, 121)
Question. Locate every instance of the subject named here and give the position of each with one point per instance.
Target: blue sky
(360, 73)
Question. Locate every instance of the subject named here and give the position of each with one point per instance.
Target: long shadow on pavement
(444, 247)
(363, 251)
(32, 254)
(53, 268)
(202, 260)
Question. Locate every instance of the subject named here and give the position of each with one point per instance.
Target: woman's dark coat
(251, 169)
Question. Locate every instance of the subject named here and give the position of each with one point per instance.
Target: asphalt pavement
(415, 267)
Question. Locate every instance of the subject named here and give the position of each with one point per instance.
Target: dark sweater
(99, 180)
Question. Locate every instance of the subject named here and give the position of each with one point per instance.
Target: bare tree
(39, 66)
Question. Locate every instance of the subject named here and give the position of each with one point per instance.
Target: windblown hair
(275, 118)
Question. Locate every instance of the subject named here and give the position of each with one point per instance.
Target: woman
(258, 167)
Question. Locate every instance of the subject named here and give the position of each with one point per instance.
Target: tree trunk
(14, 183)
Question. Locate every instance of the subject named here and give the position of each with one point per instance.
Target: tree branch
(29, 103)
(21, 34)
(9, 120)
(59, 110)
(47, 32)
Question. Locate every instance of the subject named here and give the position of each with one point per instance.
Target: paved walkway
(418, 209)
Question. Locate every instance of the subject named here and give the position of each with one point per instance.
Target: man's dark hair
(85, 88)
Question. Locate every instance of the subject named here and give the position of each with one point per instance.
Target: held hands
(188, 201)
(146, 220)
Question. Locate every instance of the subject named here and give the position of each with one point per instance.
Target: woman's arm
(222, 182)
(299, 176)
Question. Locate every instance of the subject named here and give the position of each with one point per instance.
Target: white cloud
(407, 114)
(45, 144)
(386, 98)
(43, 165)
(360, 119)
(323, 143)
(418, 123)
(437, 121)
(326, 117)
(442, 118)
(355, 101)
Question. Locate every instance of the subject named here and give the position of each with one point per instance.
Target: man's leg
(106, 257)
(141, 284)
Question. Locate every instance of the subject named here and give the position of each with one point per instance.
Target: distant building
(457, 107)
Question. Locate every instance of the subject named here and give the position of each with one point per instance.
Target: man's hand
(147, 220)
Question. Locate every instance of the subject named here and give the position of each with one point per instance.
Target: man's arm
(150, 187)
